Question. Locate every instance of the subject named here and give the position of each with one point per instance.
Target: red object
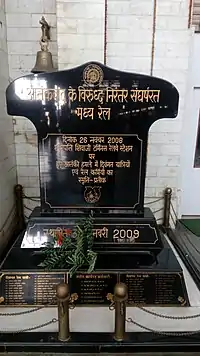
(67, 232)
(60, 238)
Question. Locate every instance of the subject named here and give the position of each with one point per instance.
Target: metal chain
(174, 222)
(26, 207)
(22, 313)
(165, 333)
(167, 316)
(29, 311)
(54, 320)
(174, 211)
(34, 198)
(153, 201)
(175, 215)
(157, 211)
(37, 198)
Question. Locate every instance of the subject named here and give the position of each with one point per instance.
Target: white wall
(80, 38)
(129, 48)
(172, 52)
(80, 28)
(23, 35)
(7, 148)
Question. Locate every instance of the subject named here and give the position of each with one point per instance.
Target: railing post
(167, 203)
(63, 298)
(120, 298)
(18, 190)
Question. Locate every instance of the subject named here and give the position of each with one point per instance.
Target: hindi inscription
(93, 288)
(92, 123)
(23, 289)
(98, 168)
(39, 288)
(104, 234)
(155, 288)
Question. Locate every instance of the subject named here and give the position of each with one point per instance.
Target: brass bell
(44, 62)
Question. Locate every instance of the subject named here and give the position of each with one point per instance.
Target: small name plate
(25, 289)
(104, 234)
(125, 234)
(155, 288)
(93, 288)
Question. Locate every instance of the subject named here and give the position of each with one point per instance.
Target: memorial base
(154, 282)
(95, 343)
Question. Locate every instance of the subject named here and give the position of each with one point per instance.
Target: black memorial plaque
(146, 288)
(25, 289)
(156, 288)
(93, 288)
(92, 123)
(95, 168)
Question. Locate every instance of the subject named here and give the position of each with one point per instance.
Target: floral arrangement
(74, 249)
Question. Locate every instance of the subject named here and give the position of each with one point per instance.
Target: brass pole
(167, 203)
(120, 298)
(63, 297)
(18, 190)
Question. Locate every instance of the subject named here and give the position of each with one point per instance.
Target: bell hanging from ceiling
(44, 62)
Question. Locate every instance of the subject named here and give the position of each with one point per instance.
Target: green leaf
(92, 257)
(75, 253)
(42, 264)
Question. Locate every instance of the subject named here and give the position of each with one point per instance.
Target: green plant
(74, 251)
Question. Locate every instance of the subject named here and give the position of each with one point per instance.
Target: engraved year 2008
(111, 140)
(115, 140)
(126, 234)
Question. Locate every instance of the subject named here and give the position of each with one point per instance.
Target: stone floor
(107, 354)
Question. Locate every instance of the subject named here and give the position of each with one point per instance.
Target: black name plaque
(106, 234)
(155, 288)
(146, 288)
(93, 288)
(25, 289)
(143, 288)
(125, 234)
